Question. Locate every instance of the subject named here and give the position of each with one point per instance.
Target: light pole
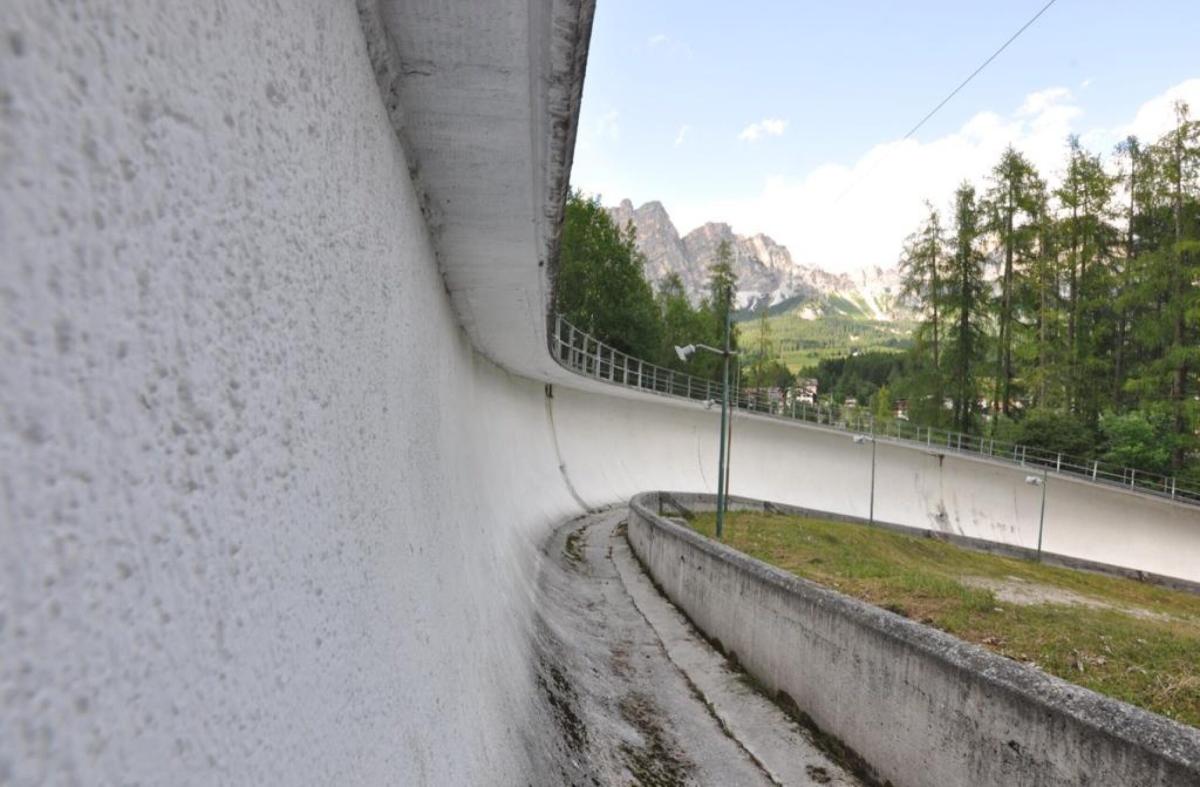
(737, 393)
(685, 353)
(1034, 480)
(860, 439)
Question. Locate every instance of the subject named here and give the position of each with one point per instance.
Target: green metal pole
(724, 422)
(873, 439)
(1042, 518)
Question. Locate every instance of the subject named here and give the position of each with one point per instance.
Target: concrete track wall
(919, 706)
(267, 513)
(267, 518)
(614, 449)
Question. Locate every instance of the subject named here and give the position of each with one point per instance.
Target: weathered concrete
(921, 707)
(260, 515)
(637, 693)
(277, 451)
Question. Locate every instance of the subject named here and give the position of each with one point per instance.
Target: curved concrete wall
(267, 514)
(614, 449)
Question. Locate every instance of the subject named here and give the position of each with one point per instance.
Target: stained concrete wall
(268, 513)
(919, 706)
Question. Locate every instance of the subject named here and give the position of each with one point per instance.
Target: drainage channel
(637, 695)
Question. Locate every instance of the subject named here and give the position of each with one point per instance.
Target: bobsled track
(282, 440)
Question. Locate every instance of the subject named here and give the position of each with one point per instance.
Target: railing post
(1058, 463)
(1132, 476)
(1095, 469)
(1172, 487)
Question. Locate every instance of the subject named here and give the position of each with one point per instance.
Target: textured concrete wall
(266, 516)
(920, 706)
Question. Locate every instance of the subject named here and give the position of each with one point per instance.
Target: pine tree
(965, 303)
(1012, 204)
(1086, 195)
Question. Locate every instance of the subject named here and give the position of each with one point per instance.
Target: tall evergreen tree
(1086, 196)
(965, 305)
(1171, 273)
(1012, 204)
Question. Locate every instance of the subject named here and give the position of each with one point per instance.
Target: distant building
(806, 390)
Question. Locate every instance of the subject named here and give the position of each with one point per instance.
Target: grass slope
(1136, 642)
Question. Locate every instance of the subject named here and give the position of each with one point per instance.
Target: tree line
(601, 288)
(1090, 326)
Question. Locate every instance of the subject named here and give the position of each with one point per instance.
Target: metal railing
(588, 356)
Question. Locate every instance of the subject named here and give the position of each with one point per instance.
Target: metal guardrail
(588, 356)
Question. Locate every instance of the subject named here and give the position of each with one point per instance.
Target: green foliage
(965, 304)
(857, 376)
(771, 373)
(1136, 440)
(1095, 309)
(882, 404)
(1050, 431)
(601, 287)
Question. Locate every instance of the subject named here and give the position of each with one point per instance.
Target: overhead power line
(954, 92)
(982, 66)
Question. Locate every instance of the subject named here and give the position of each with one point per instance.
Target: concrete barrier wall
(265, 515)
(614, 446)
(920, 706)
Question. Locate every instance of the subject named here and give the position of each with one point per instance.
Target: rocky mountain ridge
(767, 274)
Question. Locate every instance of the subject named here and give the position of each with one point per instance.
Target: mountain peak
(766, 272)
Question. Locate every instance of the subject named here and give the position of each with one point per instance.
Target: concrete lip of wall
(1051, 709)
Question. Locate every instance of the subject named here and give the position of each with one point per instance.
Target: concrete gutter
(920, 706)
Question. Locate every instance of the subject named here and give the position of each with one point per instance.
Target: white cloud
(769, 127)
(848, 217)
(657, 39)
(683, 130)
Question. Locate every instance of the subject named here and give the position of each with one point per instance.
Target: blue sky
(674, 90)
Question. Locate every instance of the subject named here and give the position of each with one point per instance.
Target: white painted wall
(267, 515)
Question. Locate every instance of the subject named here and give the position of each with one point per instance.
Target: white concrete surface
(276, 450)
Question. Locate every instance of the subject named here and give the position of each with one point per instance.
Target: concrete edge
(1158, 735)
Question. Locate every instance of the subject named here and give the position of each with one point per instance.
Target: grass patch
(1136, 642)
